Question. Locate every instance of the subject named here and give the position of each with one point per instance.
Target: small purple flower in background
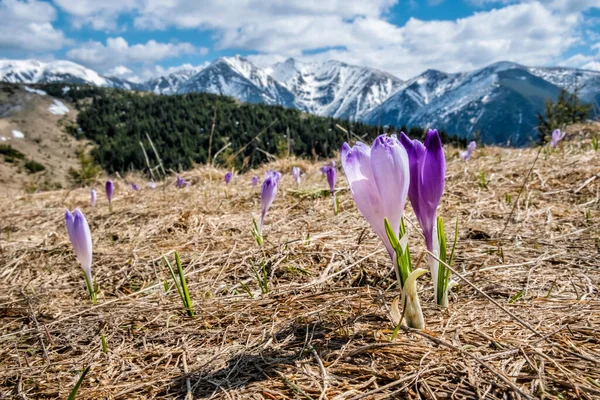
(296, 174)
(151, 185)
(254, 181)
(135, 187)
(268, 192)
(81, 239)
(228, 177)
(466, 154)
(93, 197)
(110, 190)
(557, 136)
(181, 183)
(331, 174)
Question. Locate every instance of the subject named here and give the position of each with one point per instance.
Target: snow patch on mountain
(34, 71)
(31, 90)
(58, 108)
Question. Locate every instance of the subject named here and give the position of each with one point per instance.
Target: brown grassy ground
(323, 330)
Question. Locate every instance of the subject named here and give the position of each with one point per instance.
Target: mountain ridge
(499, 102)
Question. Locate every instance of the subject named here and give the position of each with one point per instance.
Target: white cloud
(534, 32)
(27, 25)
(118, 52)
(119, 71)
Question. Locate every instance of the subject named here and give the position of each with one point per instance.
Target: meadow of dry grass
(323, 330)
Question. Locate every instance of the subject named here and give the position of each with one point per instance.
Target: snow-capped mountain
(33, 71)
(500, 102)
(237, 77)
(171, 83)
(334, 88)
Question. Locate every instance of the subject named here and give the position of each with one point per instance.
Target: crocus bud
(93, 197)
(228, 177)
(466, 154)
(375, 196)
(135, 187)
(331, 174)
(254, 181)
(268, 192)
(427, 175)
(296, 174)
(110, 189)
(81, 239)
(557, 136)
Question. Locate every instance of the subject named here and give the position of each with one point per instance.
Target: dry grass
(323, 330)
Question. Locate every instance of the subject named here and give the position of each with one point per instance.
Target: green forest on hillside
(180, 129)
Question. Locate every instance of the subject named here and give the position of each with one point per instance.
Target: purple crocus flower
(296, 174)
(466, 154)
(135, 187)
(268, 192)
(93, 197)
(331, 174)
(181, 183)
(110, 190)
(427, 174)
(254, 181)
(81, 239)
(379, 181)
(557, 136)
(228, 177)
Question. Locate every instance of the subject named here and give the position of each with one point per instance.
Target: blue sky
(138, 39)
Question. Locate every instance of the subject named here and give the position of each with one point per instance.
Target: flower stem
(90, 288)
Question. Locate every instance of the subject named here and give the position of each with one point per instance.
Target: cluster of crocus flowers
(81, 239)
(296, 174)
(181, 183)
(466, 154)
(110, 190)
(228, 176)
(93, 198)
(379, 180)
(268, 192)
(557, 136)
(427, 178)
(331, 174)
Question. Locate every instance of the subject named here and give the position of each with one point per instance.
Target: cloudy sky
(143, 38)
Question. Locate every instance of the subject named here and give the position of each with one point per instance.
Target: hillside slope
(34, 125)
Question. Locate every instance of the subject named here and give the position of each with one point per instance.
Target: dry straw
(323, 329)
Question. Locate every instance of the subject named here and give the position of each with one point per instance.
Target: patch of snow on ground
(4, 139)
(66, 89)
(18, 134)
(58, 108)
(31, 90)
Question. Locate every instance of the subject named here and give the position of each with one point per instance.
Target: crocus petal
(331, 174)
(356, 163)
(389, 163)
(268, 192)
(110, 189)
(228, 177)
(81, 239)
(431, 185)
(296, 174)
(416, 153)
(472, 146)
(465, 155)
